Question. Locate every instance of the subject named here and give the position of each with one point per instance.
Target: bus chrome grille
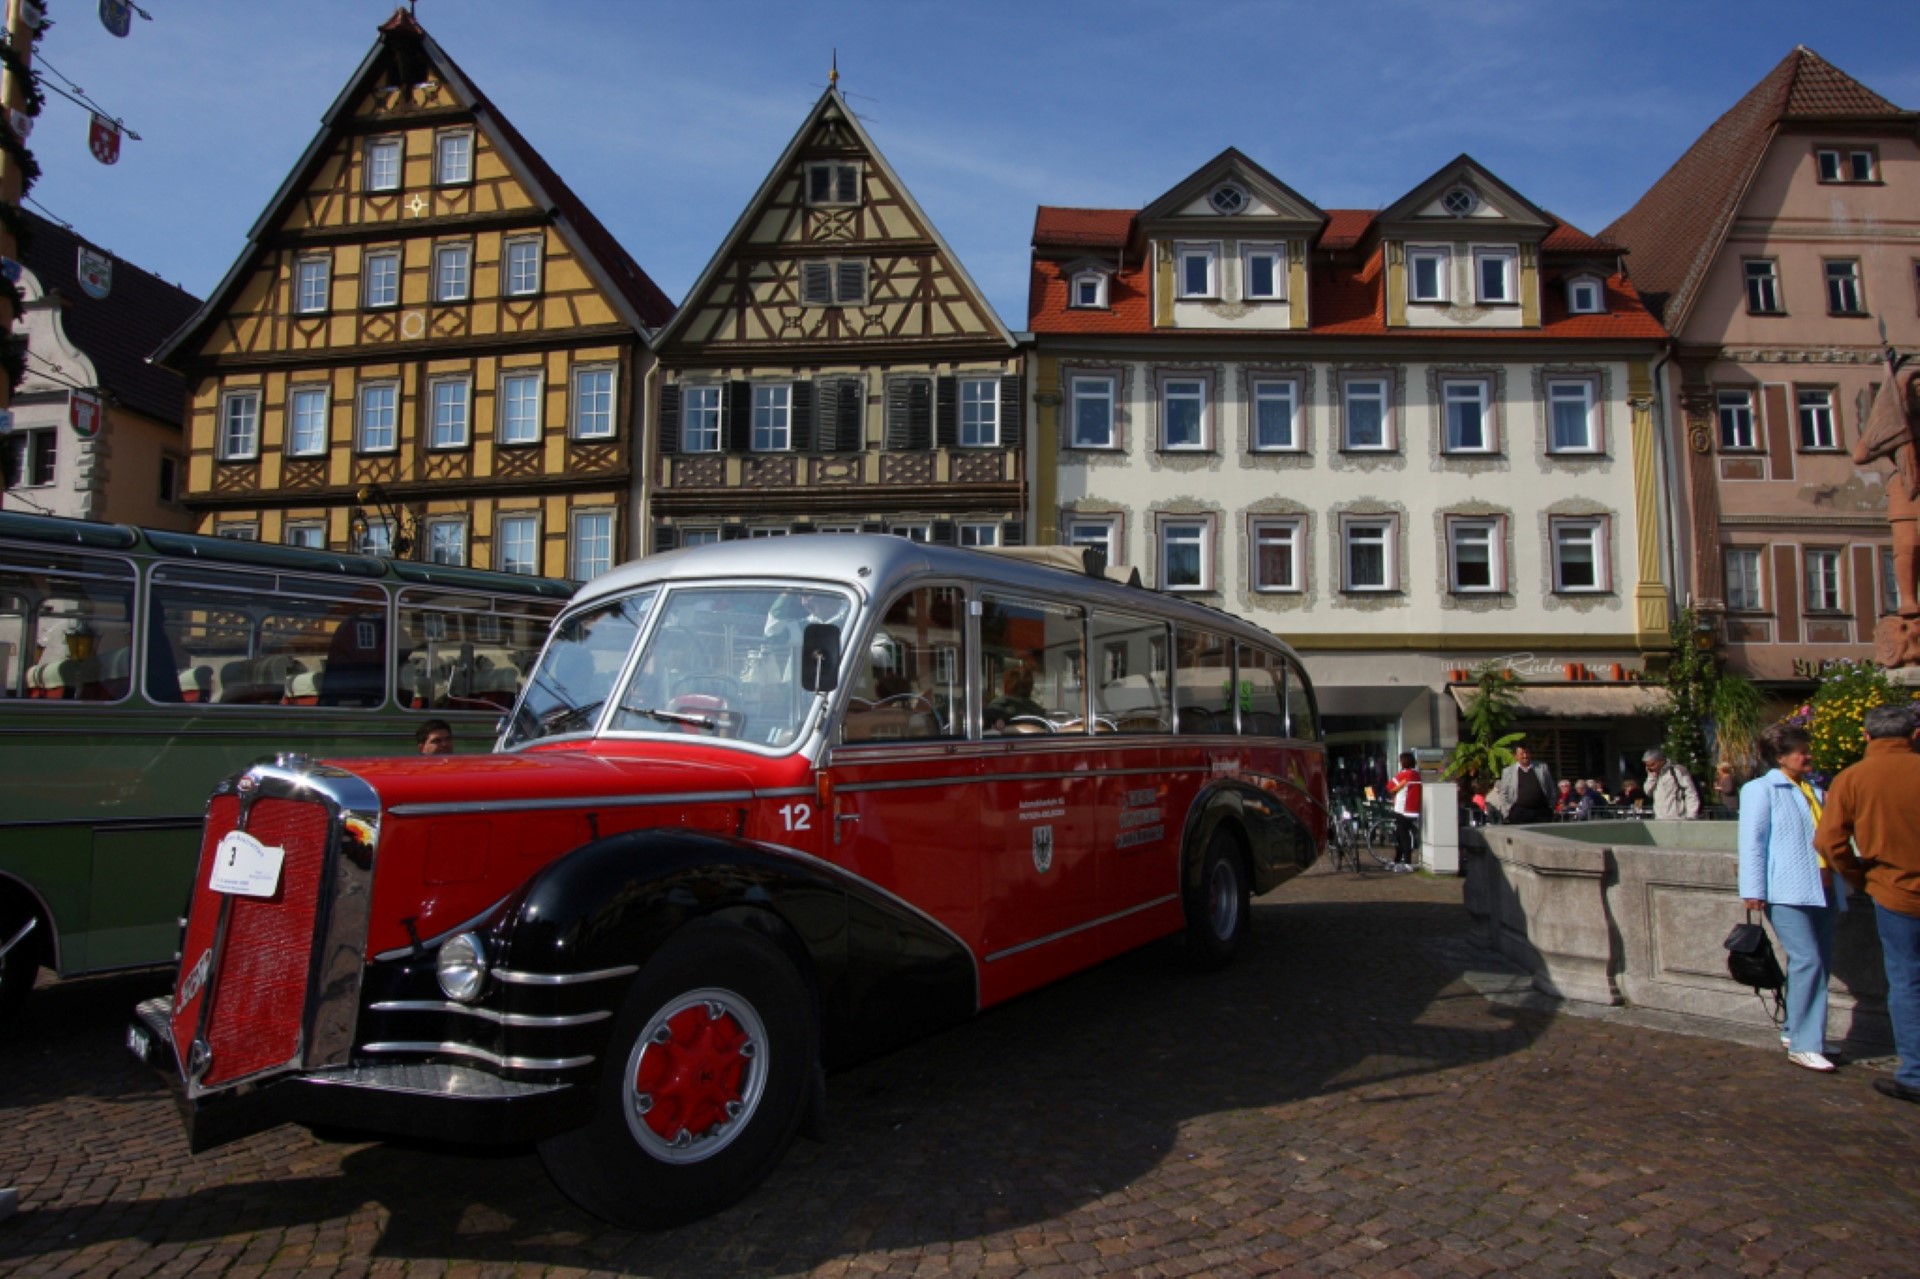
(240, 1003)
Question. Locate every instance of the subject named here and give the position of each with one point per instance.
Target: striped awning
(1580, 701)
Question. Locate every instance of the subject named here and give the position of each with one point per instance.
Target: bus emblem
(196, 978)
(1043, 848)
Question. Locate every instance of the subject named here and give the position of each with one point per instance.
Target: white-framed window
(380, 279)
(1763, 286)
(520, 407)
(523, 265)
(979, 534)
(913, 531)
(1183, 413)
(1369, 559)
(772, 418)
(1844, 293)
(708, 534)
(1586, 295)
(1092, 403)
(376, 429)
(1263, 272)
(1844, 164)
(1186, 552)
(1579, 555)
(35, 454)
(1823, 581)
(1279, 551)
(453, 157)
(1815, 409)
(700, 419)
(307, 421)
(1476, 555)
(449, 399)
(383, 164)
(1365, 426)
(834, 282)
(237, 532)
(833, 182)
(452, 272)
(517, 544)
(447, 541)
(1102, 532)
(1572, 416)
(593, 403)
(1198, 266)
(1469, 417)
(1493, 275)
(1088, 290)
(239, 425)
(373, 537)
(1743, 579)
(1735, 410)
(979, 412)
(310, 293)
(1276, 415)
(308, 534)
(590, 544)
(1429, 272)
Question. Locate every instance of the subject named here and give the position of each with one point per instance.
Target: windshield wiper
(559, 721)
(674, 717)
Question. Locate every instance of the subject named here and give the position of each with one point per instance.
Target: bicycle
(1358, 838)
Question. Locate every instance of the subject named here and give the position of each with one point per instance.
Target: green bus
(138, 667)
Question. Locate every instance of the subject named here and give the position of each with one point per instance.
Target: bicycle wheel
(1380, 843)
(1343, 841)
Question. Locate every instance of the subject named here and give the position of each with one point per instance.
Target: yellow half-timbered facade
(834, 368)
(430, 348)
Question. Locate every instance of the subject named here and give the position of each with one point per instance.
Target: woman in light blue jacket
(1781, 874)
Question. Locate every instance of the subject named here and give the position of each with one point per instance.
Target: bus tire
(705, 1082)
(1217, 904)
(20, 967)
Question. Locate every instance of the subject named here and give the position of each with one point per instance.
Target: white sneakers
(1811, 1061)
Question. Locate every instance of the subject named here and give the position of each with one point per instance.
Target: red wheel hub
(694, 1072)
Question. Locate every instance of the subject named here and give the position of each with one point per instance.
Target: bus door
(1141, 787)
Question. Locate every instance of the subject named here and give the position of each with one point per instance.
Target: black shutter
(850, 416)
(1010, 406)
(1013, 533)
(899, 414)
(943, 533)
(800, 417)
(663, 538)
(669, 429)
(946, 413)
(736, 431)
(826, 414)
(816, 283)
(850, 283)
(920, 412)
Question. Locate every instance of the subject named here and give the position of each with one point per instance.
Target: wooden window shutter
(826, 411)
(736, 427)
(1010, 406)
(946, 413)
(800, 417)
(899, 426)
(943, 532)
(669, 426)
(851, 282)
(816, 283)
(1013, 533)
(663, 538)
(850, 416)
(920, 412)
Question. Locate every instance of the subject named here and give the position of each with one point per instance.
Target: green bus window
(466, 652)
(66, 630)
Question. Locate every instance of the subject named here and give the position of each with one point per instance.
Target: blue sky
(666, 117)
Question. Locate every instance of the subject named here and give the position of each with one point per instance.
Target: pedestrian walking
(1670, 788)
(1870, 832)
(1526, 790)
(1405, 788)
(1782, 875)
(1726, 787)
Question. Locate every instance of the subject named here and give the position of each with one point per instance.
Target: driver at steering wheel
(1016, 699)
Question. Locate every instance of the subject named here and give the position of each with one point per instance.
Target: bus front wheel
(1217, 904)
(707, 1077)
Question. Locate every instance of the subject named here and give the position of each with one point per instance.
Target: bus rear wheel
(19, 967)
(1217, 905)
(705, 1083)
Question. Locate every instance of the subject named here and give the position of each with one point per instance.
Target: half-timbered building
(429, 348)
(835, 369)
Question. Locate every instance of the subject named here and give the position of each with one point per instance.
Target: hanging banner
(96, 272)
(103, 139)
(83, 413)
(117, 16)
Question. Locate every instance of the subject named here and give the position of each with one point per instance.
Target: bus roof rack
(1090, 560)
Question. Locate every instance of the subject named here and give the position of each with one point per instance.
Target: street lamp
(389, 512)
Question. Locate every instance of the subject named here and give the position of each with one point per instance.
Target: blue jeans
(1900, 943)
(1807, 934)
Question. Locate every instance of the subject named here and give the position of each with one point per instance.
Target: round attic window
(1228, 197)
(1459, 202)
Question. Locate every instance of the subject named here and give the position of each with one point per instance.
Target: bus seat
(196, 684)
(236, 682)
(117, 674)
(1198, 719)
(303, 688)
(70, 678)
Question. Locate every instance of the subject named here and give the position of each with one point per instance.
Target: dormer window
(1493, 274)
(833, 182)
(1228, 197)
(1198, 265)
(1586, 296)
(1263, 272)
(1089, 290)
(1428, 267)
(1459, 202)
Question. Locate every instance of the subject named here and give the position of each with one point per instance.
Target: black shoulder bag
(1750, 959)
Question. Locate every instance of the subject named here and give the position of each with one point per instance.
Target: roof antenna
(833, 76)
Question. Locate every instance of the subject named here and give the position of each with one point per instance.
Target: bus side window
(909, 684)
(1129, 675)
(1262, 713)
(1202, 682)
(355, 671)
(1029, 667)
(1301, 720)
(60, 631)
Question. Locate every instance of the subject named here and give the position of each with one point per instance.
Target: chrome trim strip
(484, 1014)
(580, 801)
(112, 826)
(513, 978)
(481, 1054)
(852, 788)
(1081, 928)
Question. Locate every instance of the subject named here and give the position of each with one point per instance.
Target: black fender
(1277, 843)
(881, 972)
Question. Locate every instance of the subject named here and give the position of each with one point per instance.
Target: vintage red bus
(763, 808)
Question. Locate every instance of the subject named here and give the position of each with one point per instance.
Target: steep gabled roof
(405, 50)
(1676, 229)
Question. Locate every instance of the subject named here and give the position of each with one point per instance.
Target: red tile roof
(1677, 227)
(1081, 228)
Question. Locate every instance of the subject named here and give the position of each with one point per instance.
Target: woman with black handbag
(1781, 874)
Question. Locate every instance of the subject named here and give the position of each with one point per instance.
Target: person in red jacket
(1404, 786)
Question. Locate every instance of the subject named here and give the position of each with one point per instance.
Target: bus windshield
(718, 661)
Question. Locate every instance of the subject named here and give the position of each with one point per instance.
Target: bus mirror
(820, 657)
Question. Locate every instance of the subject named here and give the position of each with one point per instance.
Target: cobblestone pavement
(1339, 1102)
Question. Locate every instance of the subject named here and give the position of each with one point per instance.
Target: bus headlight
(463, 967)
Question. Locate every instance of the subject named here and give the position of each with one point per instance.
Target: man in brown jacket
(1870, 833)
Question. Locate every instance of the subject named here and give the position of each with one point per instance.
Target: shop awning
(1580, 701)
